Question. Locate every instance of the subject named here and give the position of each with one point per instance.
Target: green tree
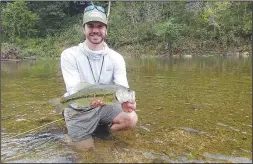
(170, 32)
(51, 16)
(18, 20)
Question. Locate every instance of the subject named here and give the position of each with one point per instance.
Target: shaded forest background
(44, 29)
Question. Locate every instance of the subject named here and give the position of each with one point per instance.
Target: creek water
(190, 110)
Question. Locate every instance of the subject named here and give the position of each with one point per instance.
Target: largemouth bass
(108, 93)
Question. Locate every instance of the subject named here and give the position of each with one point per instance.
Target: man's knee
(132, 120)
(124, 121)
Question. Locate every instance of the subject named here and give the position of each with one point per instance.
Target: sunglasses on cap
(92, 7)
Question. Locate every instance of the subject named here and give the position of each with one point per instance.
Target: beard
(95, 38)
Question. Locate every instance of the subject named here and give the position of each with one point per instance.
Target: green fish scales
(93, 92)
(108, 93)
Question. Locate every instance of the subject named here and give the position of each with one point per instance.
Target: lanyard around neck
(100, 70)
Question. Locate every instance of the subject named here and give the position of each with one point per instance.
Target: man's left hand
(128, 107)
(97, 103)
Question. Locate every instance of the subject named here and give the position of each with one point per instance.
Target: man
(94, 62)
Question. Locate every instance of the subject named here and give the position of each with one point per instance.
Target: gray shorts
(81, 124)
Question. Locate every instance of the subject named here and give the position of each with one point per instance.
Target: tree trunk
(169, 47)
(108, 13)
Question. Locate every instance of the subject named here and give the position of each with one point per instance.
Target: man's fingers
(131, 105)
(128, 107)
(124, 105)
(97, 103)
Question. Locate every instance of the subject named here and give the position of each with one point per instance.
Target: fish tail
(55, 101)
(58, 109)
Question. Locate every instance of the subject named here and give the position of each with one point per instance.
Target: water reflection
(190, 110)
(45, 146)
(30, 68)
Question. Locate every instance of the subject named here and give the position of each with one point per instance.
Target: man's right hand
(128, 107)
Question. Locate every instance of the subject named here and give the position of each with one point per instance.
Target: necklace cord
(100, 69)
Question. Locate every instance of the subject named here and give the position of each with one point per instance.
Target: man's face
(95, 32)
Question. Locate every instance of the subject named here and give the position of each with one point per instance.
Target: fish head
(125, 95)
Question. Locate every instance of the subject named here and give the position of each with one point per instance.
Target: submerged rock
(228, 158)
(158, 160)
(195, 107)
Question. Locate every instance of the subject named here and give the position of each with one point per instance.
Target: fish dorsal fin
(80, 86)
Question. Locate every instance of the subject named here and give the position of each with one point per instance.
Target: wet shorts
(81, 124)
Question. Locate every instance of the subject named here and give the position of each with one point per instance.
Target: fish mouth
(122, 96)
(132, 97)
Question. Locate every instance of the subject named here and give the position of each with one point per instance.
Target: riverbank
(160, 51)
(42, 51)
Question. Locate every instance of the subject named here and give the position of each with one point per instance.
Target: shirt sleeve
(120, 76)
(70, 72)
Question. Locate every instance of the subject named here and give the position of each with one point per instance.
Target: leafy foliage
(51, 16)
(18, 20)
(174, 26)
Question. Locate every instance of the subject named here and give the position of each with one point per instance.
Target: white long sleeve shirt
(80, 64)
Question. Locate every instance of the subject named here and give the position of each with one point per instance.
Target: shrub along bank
(45, 29)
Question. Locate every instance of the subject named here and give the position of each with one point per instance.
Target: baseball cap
(94, 13)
